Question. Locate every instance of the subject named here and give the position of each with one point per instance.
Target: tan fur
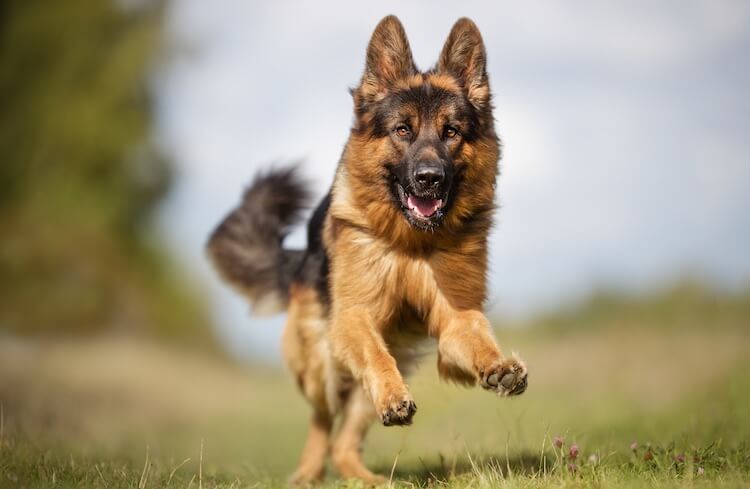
(392, 286)
(346, 451)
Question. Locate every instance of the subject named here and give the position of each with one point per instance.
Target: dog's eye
(403, 131)
(450, 132)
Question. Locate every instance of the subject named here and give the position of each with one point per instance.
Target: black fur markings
(314, 268)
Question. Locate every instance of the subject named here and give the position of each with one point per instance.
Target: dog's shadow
(444, 468)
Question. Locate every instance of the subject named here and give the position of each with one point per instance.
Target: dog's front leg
(357, 343)
(468, 353)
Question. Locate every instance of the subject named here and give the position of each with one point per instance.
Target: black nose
(429, 174)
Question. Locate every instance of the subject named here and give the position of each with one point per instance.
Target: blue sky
(626, 131)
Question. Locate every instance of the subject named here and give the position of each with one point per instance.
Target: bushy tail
(246, 248)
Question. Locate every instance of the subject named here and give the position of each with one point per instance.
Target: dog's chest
(406, 284)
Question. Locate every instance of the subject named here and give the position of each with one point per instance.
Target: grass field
(651, 393)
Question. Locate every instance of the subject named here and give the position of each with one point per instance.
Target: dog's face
(423, 134)
(425, 125)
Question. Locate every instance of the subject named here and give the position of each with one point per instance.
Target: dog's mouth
(423, 207)
(425, 211)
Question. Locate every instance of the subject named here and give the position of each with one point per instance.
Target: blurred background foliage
(686, 304)
(81, 176)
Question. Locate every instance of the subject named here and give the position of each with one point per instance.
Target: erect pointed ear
(463, 56)
(389, 57)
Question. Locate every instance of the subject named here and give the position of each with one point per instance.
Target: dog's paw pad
(399, 412)
(508, 377)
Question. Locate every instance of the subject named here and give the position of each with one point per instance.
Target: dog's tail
(246, 247)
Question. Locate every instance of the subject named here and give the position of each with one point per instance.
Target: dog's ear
(389, 57)
(464, 57)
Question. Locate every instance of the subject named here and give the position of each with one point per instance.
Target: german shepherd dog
(396, 252)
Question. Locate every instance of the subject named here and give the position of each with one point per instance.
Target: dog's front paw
(398, 410)
(508, 377)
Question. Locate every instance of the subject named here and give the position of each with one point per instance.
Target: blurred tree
(80, 175)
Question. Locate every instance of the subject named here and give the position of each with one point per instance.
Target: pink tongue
(424, 207)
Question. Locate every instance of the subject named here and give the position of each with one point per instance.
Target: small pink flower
(573, 453)
(558, 441)
(701, 471)
(680, 458)
(634, 446)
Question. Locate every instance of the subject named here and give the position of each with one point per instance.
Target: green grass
(122, 414)
(709, 466)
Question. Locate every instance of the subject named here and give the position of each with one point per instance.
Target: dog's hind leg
(306, 356)
(346, 452)
(311, 467)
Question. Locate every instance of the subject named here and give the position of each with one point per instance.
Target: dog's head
(426, 138)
